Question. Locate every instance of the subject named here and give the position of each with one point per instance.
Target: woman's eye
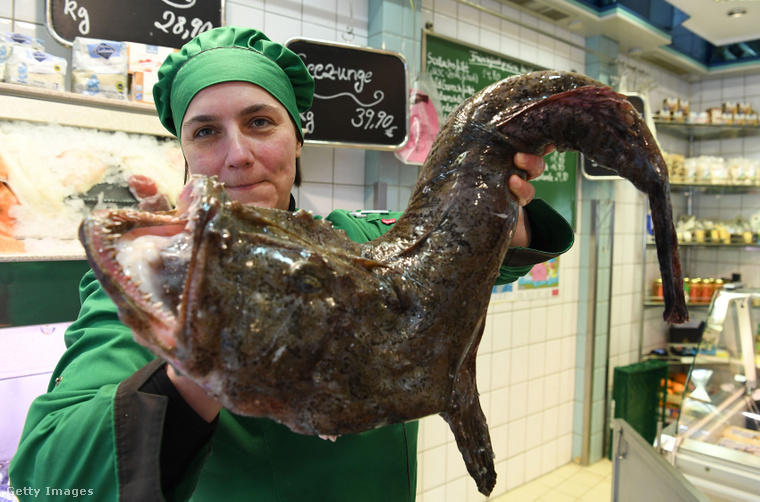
(203, 132)
(260, 122)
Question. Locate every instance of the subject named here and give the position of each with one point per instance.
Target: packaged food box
(26, 66)
(141, 86)
(9, 40)
(99, 68)
(146, 57)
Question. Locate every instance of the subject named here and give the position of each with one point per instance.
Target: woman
(120, 423)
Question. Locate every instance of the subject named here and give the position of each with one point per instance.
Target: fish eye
(306, 277)
(308, 284)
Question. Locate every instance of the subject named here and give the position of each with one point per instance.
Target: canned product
(657, 289)
(708, 288)
(696, 290)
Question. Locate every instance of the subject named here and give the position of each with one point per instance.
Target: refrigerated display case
(715, 443)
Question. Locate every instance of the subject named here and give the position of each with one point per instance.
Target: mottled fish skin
(283, 317)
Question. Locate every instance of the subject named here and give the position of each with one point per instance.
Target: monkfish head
(217, 286)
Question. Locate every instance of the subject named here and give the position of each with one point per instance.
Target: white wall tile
(31, 11)
(521, 324)
(519, 366)
(280, 27)
(349, 166)
(536, 360)
(311, 30)
(499, 438)
(484, 372)
(551, 390)
(456, 489)
(515, 471)
(244, 15)
(535, 401)
(455, 467)
(316, 197)
(516, 437)
(444, 24)
(501, 403)
(320, 12)
(533, 464)
(518, 399)
(433, 432)
(6, 9)
(348, 197)
(432, 468)
(501, 371)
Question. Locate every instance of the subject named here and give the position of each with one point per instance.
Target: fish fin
(468, 423)
(368, 264)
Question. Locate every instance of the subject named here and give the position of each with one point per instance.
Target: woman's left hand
(534, 166)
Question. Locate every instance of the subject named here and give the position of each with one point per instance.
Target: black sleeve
(159, 438)
(185, 432)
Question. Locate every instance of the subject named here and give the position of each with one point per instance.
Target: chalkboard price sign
(169, 23)
(360, 95)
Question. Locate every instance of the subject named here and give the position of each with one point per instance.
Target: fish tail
(603, 125)
(667, 254)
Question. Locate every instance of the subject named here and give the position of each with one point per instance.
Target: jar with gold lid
(696, 290)
(657, 289)
(708, 288)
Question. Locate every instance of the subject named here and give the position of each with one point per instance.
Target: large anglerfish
(278, 315)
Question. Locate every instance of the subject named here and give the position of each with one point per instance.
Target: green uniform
(95, 432)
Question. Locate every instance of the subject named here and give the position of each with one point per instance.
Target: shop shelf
(701, 132)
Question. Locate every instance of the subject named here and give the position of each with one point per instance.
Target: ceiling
(710, 20)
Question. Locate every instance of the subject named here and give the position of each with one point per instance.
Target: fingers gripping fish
(278, 315)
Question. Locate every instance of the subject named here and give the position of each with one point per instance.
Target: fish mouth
(143, 261)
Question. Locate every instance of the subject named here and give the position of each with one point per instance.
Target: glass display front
(716, 440)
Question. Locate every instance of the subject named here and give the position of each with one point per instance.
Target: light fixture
(634, 51)
(737, 12)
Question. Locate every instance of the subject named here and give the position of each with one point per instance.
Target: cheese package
(144, 62)
(146, 57)
(9, 40)
(99, 68)
(35, 68)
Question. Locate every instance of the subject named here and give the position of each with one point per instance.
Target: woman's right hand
(203, 404)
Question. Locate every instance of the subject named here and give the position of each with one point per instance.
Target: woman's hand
(203, 404)
(534, 166)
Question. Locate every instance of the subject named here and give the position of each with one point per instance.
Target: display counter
(715, 443)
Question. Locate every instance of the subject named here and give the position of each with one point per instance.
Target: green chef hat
(226, 54)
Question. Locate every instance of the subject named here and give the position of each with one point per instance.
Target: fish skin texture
(278, 315)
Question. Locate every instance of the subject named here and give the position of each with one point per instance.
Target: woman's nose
(239, 151)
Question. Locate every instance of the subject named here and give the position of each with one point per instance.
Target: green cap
(227, 54)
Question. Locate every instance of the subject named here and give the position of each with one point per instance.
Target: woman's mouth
(242, 186)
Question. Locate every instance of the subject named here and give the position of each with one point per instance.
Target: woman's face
(238, 132)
